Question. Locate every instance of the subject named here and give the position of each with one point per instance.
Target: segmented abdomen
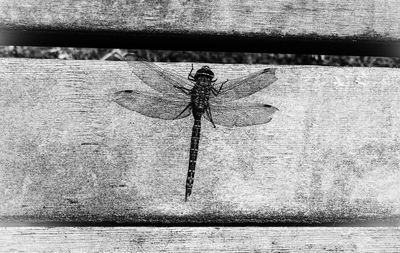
(194, 146)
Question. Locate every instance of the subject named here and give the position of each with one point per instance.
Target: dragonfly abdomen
(194, 146)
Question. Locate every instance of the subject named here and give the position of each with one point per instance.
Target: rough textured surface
(68, 153)
(207, 239)
(370, 19)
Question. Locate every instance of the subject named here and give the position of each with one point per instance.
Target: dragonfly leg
(215, 91)
(190, 76)
(208, 111)
(189, 105)
(183, 89)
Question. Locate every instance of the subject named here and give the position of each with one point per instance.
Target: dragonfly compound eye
(204, 71)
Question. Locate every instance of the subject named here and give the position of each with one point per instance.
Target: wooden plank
(248, 22)
(370, 19)
(70, 154)
(203, 239)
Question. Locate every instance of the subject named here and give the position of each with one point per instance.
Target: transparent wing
(235, 115)
(161, 80)
(245, 86)
(152, 105)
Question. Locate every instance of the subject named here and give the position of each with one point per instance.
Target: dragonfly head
(205, 71)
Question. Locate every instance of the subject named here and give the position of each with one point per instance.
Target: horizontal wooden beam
(69, 153)
(319, 27)
(192, 239)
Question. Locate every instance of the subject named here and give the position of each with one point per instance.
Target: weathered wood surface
(69, 153)
(369, 19)
(200, 239)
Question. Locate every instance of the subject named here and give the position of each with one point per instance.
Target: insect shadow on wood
(200, 95)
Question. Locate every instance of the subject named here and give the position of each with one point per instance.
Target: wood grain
(68, 153)
(367, 19)
(207, 239)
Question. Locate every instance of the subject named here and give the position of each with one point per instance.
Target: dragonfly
(199, 95)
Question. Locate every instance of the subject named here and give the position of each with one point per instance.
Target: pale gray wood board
(69, 153)
(203, 239)
(354, 19)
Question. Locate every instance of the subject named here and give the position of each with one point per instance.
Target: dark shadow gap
(312, 44)
(203, 222)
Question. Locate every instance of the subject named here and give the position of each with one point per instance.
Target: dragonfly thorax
(203, 82)
(201, 93)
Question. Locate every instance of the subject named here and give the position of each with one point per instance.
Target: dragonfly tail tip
(187, 195)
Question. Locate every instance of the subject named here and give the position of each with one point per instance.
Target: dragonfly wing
(245, 86)
(152, 105)
(236, 115)
(161, 80)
